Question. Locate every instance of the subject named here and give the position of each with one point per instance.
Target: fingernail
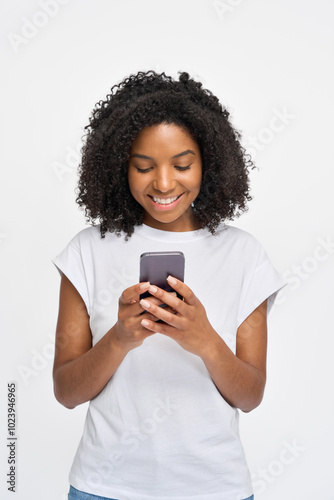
(171, 280)
(153, 289)
(145, 303)
(143, 286)
(144, 322)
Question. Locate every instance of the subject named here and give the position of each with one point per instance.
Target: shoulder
(89, 233)
(238, 237)
(89, 240)
(86, 236)
(239, 247)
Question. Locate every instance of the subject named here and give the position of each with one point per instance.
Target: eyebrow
(188, 151)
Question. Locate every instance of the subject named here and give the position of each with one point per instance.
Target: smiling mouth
(165, 201)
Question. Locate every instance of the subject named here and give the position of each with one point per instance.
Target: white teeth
(164, 201)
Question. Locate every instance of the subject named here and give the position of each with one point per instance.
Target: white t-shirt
(160, 430)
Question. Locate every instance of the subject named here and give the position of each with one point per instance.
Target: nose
(164, 179)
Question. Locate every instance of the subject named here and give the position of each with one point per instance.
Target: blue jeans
(75, 494)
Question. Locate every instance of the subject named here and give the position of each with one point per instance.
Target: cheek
(197, 181)
(137, 186)
(134, 183)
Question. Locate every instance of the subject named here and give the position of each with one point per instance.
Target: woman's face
(165, 173)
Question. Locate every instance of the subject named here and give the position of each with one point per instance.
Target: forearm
(83, 378)
(240, 383)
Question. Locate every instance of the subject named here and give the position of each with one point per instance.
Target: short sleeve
(70, 263)
(261, 282)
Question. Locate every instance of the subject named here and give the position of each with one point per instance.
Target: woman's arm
(240, 377)
(80, 371)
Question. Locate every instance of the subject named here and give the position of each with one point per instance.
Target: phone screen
(155, 267)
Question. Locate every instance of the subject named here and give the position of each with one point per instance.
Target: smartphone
(155, 267)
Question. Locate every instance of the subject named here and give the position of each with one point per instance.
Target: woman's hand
(186, 321)
(129, 330)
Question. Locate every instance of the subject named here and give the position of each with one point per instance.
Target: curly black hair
(147, 99)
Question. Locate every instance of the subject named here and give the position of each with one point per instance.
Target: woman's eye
(182, 168)
(143, 170)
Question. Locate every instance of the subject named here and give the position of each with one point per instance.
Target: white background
(270, 63)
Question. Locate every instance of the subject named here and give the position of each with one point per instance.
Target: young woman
(162, 169)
